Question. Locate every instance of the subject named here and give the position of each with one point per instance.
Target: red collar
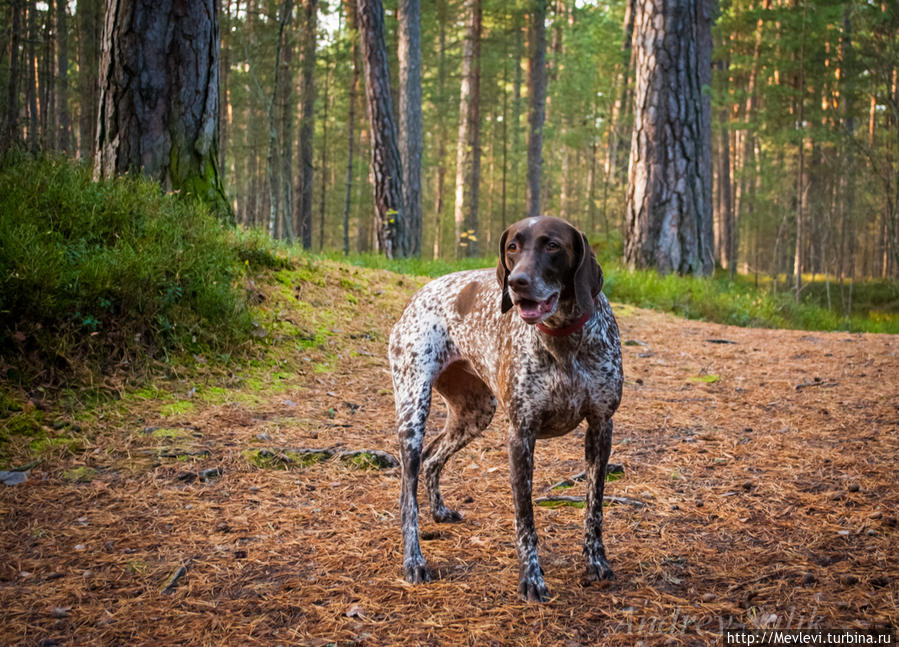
(570, 329)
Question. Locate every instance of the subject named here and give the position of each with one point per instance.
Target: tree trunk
(47, 83)
(727, 247)
(669, 216)
(163, 121)
(63, 119)
(439, 190)
(800, 191)
(323, 167)
(468, 149)
(351, 121)
(90, 21)
(386, 167)
(307, 122)
(409, 16)
(275, 109)
(31, 89)
(285, 128)
(11, 127)
(224, 94)
(537, 109)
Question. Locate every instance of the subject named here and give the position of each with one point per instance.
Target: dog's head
(544, 261)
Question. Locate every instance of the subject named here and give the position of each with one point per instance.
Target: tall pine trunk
(409, 54)
(307, 122)
(90, 20)
(386, 167)
(10, 135)
(468, 148)
(669, 210)
(537, 109)
(31, 89)
(63, 118)
(164, 121)
(440, 177)
(351, 121)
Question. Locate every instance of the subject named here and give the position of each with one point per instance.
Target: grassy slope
(309, 319)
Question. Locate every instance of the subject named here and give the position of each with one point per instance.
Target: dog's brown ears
(588, 278)
(502, 274)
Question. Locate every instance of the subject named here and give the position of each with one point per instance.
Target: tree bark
(11, 127)
(307, 122)
(90, 21)
(276, 228)
(47, 84)
(31, 89)
(468, 150)
(163, 121)
(800, 175)
(63, 118)
(409, 54)
(386, 167)
(669, 216)
(351, 121)
(440, 178)
(323, 166)
(537, 111)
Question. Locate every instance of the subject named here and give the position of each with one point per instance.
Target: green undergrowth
(103, 276)
(717, 299)
(740, 303)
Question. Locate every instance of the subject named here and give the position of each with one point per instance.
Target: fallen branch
(172, 581)
(611, 468)
(611, 499)
(816, 382)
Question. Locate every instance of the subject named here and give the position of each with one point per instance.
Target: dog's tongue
(532, 311)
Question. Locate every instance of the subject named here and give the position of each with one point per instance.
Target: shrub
(95, 274)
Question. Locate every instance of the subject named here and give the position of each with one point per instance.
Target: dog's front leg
(531, 586)
(598, 446)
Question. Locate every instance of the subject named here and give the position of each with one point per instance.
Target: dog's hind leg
(412, 391)
(470, 406)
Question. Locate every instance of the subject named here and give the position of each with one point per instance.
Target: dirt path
(767, 464)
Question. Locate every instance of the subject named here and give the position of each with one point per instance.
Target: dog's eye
(552, 246)
(512, 247)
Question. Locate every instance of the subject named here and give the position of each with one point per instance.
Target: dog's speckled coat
(458, 336)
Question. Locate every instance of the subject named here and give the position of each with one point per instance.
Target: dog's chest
(553, 395)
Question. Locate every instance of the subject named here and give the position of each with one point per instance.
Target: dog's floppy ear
(587, 278)
(502, 273)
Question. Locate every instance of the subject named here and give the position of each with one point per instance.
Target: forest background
(805, 107)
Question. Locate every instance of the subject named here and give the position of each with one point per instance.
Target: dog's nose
(519, 280)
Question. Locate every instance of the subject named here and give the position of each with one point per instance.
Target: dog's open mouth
(534, 311)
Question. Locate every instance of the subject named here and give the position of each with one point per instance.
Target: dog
(539, 338)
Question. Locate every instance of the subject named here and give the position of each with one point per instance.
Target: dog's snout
(519, 280)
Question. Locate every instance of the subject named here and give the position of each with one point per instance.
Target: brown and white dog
(551, 363)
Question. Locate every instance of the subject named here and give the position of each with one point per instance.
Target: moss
(560, 503)
(27, 423)
(284, 459)
(9, 404)
(80, 474)
(177, 408)
(365, 460)
(170, 433)
(41, 446)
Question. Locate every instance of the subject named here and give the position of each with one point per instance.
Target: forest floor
(767, 466)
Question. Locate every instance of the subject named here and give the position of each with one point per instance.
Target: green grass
(101, 274)
(739, 302)
(411, 266)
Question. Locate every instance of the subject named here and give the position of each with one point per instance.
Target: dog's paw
(532, 588)
(446, 515)
(598, 570)
(417, 572)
